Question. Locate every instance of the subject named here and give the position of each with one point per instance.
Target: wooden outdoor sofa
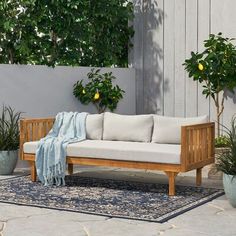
(196, 151)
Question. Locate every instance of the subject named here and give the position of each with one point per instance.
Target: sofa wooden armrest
(197, 151)
(197, 146)
(33, 130)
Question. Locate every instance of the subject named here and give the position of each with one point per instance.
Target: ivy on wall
(65, 32)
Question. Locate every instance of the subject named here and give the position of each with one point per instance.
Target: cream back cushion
(137, 128)
(168, 129)
(94, 126)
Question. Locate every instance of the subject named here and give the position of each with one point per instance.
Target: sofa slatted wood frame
(197, 151)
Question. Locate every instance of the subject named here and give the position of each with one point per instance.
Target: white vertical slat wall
(169, 59)
(180, 44)
(191, 42)
(204, 29)
(166, 32)
(223, 18)
(153, 55)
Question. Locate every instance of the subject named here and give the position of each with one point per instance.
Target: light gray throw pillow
(168, 129)
(94, 126)
(137, 128)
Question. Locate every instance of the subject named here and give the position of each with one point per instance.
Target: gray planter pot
(8, 160)
(229, 182)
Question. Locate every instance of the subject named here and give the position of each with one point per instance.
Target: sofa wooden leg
(171, 176)
(33, 171)
(70, 169)
(199, 176)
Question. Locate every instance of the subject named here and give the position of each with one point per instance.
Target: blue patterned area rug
(105, 197)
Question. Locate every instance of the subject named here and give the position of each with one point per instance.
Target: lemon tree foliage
(222, 141)
(215, 68)
(65, 32)
(99, 90)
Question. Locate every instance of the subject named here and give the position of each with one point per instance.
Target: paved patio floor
(216, 218)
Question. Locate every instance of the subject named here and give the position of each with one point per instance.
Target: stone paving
(216, 218)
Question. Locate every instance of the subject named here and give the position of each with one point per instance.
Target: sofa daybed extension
(152, 142)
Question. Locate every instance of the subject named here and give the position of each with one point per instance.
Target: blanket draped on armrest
(68, 128)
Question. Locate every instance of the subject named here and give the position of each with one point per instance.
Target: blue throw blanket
(68, 128)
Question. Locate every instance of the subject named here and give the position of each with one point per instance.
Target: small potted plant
(99, 91)
(227, 164)
(9, 139)
(221, 145)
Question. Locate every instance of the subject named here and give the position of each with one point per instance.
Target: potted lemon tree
(9, 140)
(227, 164)
(214, 68)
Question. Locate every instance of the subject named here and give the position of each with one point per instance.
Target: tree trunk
(99, 109)
(218, 121)
(217, 114)
(219, 111)
(11, 56)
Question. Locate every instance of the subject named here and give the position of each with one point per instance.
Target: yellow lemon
(83, 91)
(200, 66)
(96, 96)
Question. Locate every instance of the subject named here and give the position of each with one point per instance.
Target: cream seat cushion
(120, 150)
(168, 129)
(137, 128)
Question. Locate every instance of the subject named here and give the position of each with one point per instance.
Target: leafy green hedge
(65, 32)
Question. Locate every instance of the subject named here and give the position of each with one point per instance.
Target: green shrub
(62, 32)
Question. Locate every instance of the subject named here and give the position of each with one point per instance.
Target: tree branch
(11, 56)
(222, 105)
(97, 107)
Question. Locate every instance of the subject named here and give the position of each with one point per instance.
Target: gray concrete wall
(166, 31)
(40, 91)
